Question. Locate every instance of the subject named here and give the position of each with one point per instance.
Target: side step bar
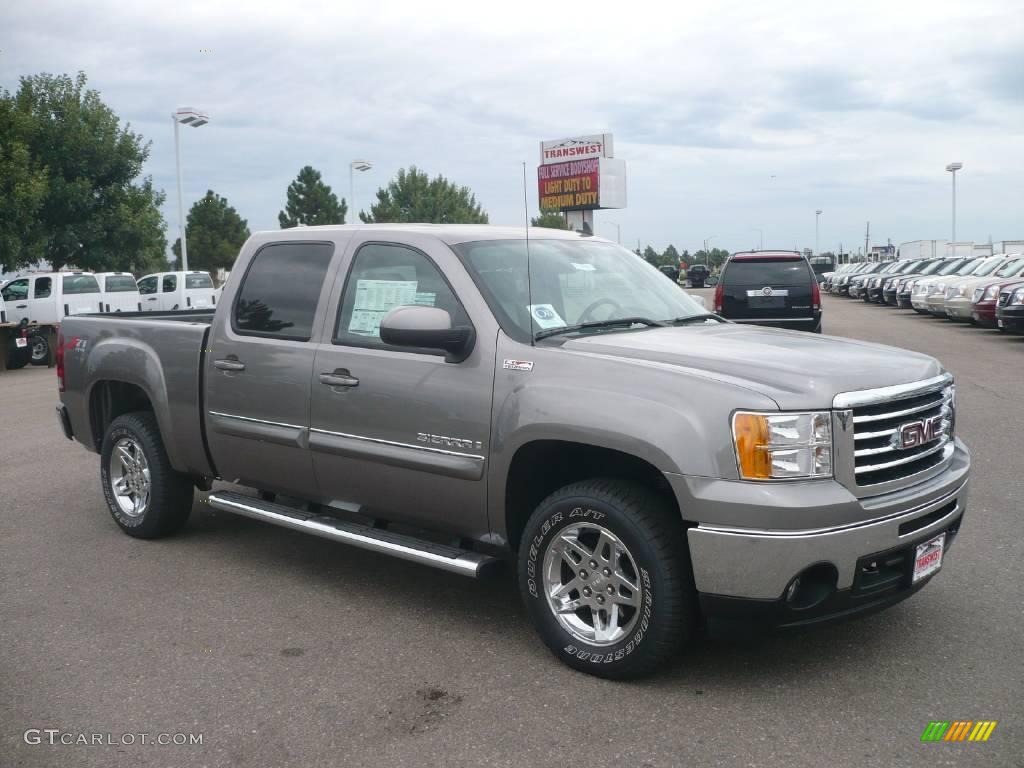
(453, 559)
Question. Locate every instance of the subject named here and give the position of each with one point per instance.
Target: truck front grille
(893, 437)
(1004, 298)
(877, 455)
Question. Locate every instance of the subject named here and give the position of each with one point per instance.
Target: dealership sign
(576, 148)
(582, 185)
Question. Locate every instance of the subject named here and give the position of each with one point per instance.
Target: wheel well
(542, 467)
(110, 399)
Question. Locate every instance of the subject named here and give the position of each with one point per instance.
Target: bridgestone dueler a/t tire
(655, 537)
(170, 496)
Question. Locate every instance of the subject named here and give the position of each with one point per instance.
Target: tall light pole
(953, 168)
(817, 216)
(194, 118)
(355, 165)
(760, 233)
(707, 254)
(618, 230)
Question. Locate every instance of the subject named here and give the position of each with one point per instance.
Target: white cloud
(853, 108)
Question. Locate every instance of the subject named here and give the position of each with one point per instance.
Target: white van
(120, 293)
(51, 296)
(165, 291)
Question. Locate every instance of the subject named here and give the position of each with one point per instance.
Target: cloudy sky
(732, 116)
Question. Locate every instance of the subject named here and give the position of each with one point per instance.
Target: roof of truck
(448, 233)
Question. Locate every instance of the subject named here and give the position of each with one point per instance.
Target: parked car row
(46, 298)
(986, 290)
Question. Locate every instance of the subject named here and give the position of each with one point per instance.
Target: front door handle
(229, 365)
(21, 306)
(340, 378)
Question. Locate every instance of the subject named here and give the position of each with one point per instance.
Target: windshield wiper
(627, 321)
(693, 319)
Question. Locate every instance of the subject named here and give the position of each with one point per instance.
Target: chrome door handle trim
(229, 365)
(338, 380)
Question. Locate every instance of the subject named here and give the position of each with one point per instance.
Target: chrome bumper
(759, 563)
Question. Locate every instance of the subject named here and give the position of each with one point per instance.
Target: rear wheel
(146, 496)
(606, 578)
(40, 350)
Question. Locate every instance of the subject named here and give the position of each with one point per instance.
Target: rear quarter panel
(162, 357)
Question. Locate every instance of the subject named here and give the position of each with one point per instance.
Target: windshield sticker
(545, 316)
(374, 299)
(426, 298)
(584, 267)
(517, 365)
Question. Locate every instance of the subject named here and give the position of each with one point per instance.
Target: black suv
(775, 288)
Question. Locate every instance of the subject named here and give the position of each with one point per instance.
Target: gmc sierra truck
(460, 396)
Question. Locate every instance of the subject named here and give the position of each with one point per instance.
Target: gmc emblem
(916, 433)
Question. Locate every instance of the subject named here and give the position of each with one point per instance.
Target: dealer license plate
(928, 558)
(21, 342)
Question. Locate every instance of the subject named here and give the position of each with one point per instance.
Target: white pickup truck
(120, 293)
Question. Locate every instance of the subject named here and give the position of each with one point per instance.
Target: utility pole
(867, 239)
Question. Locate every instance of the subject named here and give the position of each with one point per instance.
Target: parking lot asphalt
(286, 650)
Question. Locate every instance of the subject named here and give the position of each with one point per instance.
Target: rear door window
(198, 281)
(44, 287)
(80, 284)
(280, 291)
(119, 284)
(170, 283)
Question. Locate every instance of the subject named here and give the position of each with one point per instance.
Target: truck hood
(794, 368)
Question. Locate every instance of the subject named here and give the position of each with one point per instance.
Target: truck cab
(50, 297)
(170, 291)
(120, 292)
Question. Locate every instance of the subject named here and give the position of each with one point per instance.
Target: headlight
(991, 293)
(1017, 297)
(782, 446)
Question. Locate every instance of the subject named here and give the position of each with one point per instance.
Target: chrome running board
(452, 559)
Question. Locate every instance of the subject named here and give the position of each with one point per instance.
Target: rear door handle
(21, 306)
(341, 378)
(229, 365)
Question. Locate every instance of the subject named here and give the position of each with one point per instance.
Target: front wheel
(605, 574)
(146, 496)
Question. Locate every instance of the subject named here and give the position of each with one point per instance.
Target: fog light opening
(811, 587)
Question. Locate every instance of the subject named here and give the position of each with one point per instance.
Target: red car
(986, 297)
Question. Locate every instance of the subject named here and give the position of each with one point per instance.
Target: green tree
(311, 202)
(670, 257)
(69, 181)
(215, 232)
(414, 197)
(651, 256)
(549, 219)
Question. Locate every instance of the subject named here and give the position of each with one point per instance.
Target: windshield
(571, 282)
(952, 267)
(119, 283)
(986, 267)
(1010, 268)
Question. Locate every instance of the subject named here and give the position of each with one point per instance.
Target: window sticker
(374, 299)
(584, 267)
(426, 298)
(545, 316)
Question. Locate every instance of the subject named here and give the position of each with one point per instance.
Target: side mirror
(427, 328)
(711, 282)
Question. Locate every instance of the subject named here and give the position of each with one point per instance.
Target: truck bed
(161, 353)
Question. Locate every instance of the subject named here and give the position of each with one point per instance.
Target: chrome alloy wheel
(592, 584)
(129, 477)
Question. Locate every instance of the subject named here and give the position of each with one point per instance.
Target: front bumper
(959, 308)
(736, 565)
(984, 313)
(936, 304)
(1011, 318)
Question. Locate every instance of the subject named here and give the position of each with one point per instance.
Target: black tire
(39, 349)
(654, 537)
(170, 492)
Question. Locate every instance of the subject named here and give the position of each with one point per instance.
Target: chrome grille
(870, 424)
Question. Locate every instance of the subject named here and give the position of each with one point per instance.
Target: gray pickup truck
(460, 396)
